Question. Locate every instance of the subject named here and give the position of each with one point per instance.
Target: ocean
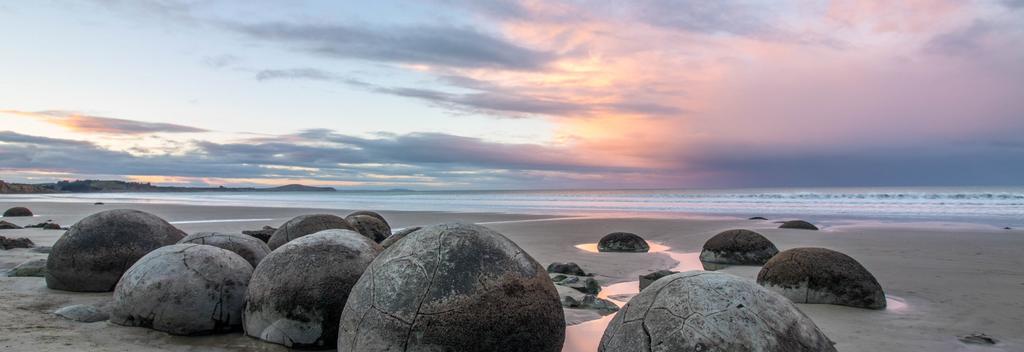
(997, 206)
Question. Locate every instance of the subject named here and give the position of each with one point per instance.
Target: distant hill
(103, 186)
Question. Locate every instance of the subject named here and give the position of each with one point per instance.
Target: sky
(454, 94)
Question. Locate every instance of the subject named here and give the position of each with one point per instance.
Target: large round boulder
(17, 211)
(297, 293)
(711, 311)
(369, 213)
(183, 289)
(738, 247)
(798, 224)
(622, 242)
(453, 287)
(398, 235)
(304, 225)
(371, 227)
(92, 255)
(249, 248)
(819, 275)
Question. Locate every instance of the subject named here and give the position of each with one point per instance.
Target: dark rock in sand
(93, 254)
(30, 268)
(395, 237)
(569, 268)
(97, 203)
(711, 311)
(52, 226)
(371, 227)
(4, 225)
(17, 211)
(622, 242)
(798, 224)
(11, 243)
(575, 300)
(297, 294)
(579, 283)
(85, 313)
(249, 248)
(305, 225)
(369, 213)
(978, 339)
(758, 218)
(738, 247)
(261, 234)
(183, 289)
(647, 280)
(453, 287)
(819, 275)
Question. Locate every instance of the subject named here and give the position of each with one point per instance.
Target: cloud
(78, 122)
(962, 41)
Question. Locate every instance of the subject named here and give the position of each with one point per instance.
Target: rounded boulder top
(93, 254)
(305, 225)
(711, 311)
(369, 213)
(370, 226)
(17, 211)
(622, 242)
(183, 289)
(249, 248)
(819, 275)
(297, 293)
(798, 224)
(453, 287)
(398, 235)
(738, 247)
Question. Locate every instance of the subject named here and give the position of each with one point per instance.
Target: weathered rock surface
(95, 252)
(262, 234)
(648, 279)
(296, 295)
(85, 313)
(395, 237)
(17, 211)
(305, 225)
(622, 242)
(569, 268)
(798, 224)
(574, 299)
(711, 311)
(30, 268)
(4, 225)
(370, 213)
(738, 247)
(819, 275)
(978, 339)
(249, 248)
(183, 289)
(453, 287)
(371, 227)
(583, 284)
(11, 243)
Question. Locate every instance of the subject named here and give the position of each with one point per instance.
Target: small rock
(569, 268)
(4, 225)
(17, 211)
(97, 203)
(647, 280)
(978, 339)
(798, 224)
(51, 226)
(83, 313)
(579, 283)
(30, 268)
(263, 234)
(758, 218)
(1007, 228)
(8, 243)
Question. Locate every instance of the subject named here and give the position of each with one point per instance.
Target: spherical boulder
(819, 275)
(622, 242)
(183, 289)
(569, 268)
(304, 225)
(17, 211)
(371, 227)
(370, 213)
(738, 247)
(798, 224)
(297, 293)
(453, 287)
(711, 311)
(398, 235)
(249, 248)
(92, 255)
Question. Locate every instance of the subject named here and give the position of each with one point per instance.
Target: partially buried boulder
(305, 225)
(711, 311)
(648, 279)
(30, 268)
(297, 294)
(85, 313)
(4, 225)
(738, 247)
(369, 213)
(17, 211)
(52, 226)
(371, 227)
(569, 268)
(11, 243)
(583, 284)
(261, 234)
(453, 287)
(249, 248)
(398, 235)
(622, 242)
(183, 289)
(819, 275)
(93, 254)
(798, 224)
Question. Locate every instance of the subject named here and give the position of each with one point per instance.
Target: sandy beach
(942, 280)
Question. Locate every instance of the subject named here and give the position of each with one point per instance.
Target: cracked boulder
(711, 311)
(305, 225)
(398, 235)
(92, 255)
(249, 248)
(798, 224)
(819, 275)
(453, 287)
(622, 242)
(183, 289)
(370, 226)
(297, 293)
(738, 247)
(17, 211)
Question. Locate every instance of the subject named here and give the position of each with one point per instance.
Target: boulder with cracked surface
(249, 248)
(303, 225)
(398, 235)
(819, 275)
(738, 247)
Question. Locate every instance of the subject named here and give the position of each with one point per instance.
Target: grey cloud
(963, 41)
(98, 124)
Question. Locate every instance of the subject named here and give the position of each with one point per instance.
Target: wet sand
(943, 280)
